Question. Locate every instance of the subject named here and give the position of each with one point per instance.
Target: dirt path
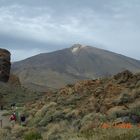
(5, 119)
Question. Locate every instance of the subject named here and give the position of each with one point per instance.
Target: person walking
(13, 119)
(23, 120)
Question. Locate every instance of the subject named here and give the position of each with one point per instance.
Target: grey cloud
(48, 25)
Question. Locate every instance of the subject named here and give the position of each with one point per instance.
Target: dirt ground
(4, 119)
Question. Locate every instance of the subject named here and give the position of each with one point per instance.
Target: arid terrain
(69, 70)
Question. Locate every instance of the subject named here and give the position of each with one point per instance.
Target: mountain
(56, 69)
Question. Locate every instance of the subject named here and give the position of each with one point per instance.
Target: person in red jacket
(13, 119)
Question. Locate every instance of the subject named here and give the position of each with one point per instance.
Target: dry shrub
(56, 131)
(33, 135)
(41, 113)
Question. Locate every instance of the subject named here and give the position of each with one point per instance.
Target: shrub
(56, 131)
(33, 135)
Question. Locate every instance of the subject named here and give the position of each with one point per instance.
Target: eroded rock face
(123, 77)
(5, 65)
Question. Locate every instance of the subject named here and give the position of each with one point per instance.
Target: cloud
(18, 54)
(46, 26)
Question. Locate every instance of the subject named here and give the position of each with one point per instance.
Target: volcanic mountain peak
(79, 62)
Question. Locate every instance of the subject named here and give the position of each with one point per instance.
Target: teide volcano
(56, 69)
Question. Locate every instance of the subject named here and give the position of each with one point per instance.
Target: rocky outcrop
(5, 65)
(123, 77)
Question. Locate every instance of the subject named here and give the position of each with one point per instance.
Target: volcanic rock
(5, 65)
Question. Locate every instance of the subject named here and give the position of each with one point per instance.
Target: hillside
(87, 104)
(56, 69)
(115, 97)
(82, 111)
(10, 93)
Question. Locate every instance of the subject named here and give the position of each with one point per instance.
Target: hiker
(22, 119)
(13, 119)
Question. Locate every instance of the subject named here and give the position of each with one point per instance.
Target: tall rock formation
(5, 65)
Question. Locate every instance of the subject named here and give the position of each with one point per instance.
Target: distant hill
(56, 69)
(10, 93)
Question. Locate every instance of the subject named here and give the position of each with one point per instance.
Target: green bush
(33, 135)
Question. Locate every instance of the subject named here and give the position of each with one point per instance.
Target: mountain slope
(88, 108)
(56, 69)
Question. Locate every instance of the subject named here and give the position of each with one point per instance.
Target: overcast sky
(29, 27)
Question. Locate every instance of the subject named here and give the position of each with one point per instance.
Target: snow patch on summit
(76, 49)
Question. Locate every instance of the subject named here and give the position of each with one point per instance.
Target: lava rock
(5, 65)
